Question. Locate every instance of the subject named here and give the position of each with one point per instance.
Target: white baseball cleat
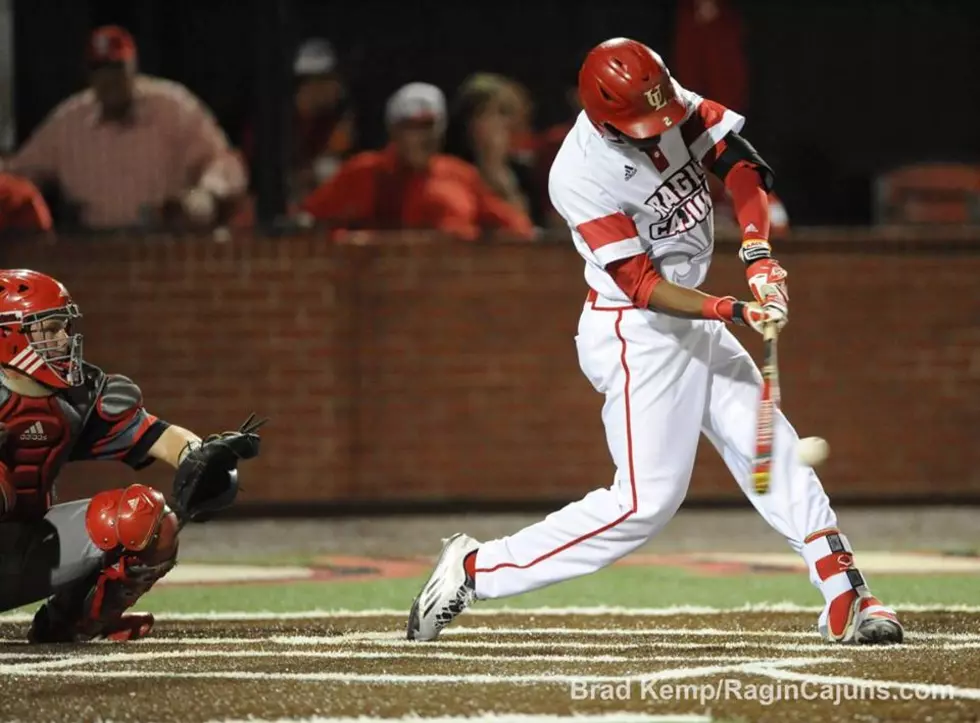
(447, 592)
(869, 623)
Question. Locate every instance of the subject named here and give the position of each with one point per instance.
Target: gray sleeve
(119, 427)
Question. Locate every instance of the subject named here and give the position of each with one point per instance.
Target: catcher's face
(50, 337)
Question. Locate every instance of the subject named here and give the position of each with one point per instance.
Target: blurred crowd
(136, 151)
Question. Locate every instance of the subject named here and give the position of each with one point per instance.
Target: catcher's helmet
(627, 92)
(36, 336)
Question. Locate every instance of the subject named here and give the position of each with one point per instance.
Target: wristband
(754, 249)
(725, 308)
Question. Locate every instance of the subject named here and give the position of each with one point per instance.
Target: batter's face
(416, 142)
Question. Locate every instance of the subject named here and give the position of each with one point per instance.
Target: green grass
(624, 586)
(617, 586)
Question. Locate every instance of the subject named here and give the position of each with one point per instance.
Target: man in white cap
(410, 184)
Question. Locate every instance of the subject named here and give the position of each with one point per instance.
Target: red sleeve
(495, 213)
(22, 206)
(34, 213)
(636, 276)
(749, 200)
(346, 197)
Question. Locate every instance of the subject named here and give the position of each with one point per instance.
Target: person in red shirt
(709, 53)
(22, 207)
(410, 184)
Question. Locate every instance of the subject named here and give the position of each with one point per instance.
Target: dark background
(839, 90)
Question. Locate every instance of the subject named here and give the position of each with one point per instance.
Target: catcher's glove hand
(207, 477)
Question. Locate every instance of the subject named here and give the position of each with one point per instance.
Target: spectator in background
(22, 208)
(524, 141)
(708, 54)
(133, 150)
(483, 127)
(548, 145)
(410, 184)
(720, 73)
(322, 131)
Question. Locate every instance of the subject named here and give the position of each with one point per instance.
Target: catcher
(92, 559)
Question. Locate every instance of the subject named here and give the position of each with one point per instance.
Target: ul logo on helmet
(655, 97)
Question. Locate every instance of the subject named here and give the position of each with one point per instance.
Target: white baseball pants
(665, 380)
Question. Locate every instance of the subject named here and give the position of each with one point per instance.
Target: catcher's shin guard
(851, 614)
(139, 533)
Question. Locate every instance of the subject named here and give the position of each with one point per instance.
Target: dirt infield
(720, 666)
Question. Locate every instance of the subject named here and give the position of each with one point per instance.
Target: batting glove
(767, 279)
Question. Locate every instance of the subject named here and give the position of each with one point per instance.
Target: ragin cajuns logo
(681, 202)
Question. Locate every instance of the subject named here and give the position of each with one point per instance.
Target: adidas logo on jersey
(34, 433)
(630, 172)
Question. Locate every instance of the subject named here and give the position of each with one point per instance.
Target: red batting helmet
(627, 92)
(28, 299)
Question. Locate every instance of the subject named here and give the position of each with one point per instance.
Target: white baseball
(812, 451)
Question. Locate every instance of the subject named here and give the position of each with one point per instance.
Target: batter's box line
(67, 662)
(409, 679)
(694, 632)
(624, 717)
(593, 611)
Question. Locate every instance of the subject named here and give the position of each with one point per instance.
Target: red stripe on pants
(629, 454)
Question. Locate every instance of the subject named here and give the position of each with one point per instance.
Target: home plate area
(532, 666)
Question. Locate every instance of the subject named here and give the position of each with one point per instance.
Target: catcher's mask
(37, 337)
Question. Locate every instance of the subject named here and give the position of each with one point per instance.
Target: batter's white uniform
(665, 380)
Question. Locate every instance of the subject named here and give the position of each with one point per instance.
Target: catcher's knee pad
(138, 532)
(136, 519)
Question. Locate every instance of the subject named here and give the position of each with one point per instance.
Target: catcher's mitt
(207, 478)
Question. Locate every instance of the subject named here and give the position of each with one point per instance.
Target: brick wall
(423, 372)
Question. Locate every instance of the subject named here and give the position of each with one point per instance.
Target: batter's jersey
(620, 201)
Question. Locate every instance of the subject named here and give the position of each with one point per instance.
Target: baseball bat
(768, 404)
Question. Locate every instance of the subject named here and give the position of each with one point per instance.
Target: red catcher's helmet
(627, 92)
(36, 338)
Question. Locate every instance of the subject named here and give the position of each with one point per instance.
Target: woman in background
(488, 120)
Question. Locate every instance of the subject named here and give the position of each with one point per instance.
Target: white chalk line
(928, 689)
(501, 718)
(594, 611)
(413, 679)
(397, 640)
(677, 632)
(71, 661)
(463, 631)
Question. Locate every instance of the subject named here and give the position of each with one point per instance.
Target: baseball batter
(630, 180)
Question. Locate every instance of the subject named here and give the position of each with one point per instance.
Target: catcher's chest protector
(40, 434)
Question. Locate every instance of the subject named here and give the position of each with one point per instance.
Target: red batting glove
(767, 279)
